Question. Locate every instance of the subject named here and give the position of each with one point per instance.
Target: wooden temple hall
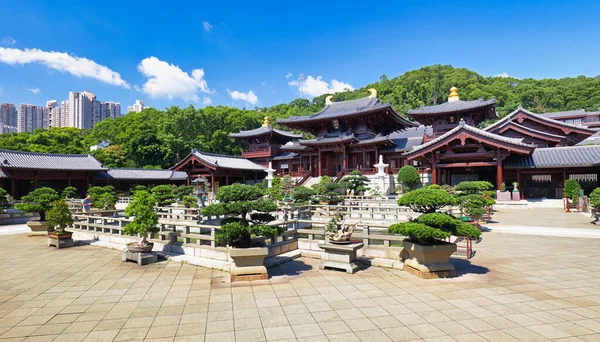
(443, 140)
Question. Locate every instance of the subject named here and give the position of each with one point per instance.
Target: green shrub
(4, 199)
(327, 190)
(59, 216)
(103, 197)
(473, 205)
(303, 194)
(163, 195)
(572, 188)
(183, 190)
(408, 177)
(429, 227)
(595, 199)
(426, 200)
(70, 192)
(190, 201)
(145, 219)
(472, 187)
(38, 201)
(356, 182)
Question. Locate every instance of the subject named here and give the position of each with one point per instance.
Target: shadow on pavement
(464, 267)
(290, 268)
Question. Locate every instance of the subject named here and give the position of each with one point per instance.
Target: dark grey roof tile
(48, 161)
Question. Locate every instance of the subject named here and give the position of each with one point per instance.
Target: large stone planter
(38, 228)
(429, 261)
(340, 256)
(60, 240)
(503, 195)
(516, 196)
(248, 263)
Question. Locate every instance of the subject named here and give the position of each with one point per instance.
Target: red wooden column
(434, 174)
(345, 164)
(319, 164)
(499, 174)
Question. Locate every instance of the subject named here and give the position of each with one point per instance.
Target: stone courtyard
(517, 288)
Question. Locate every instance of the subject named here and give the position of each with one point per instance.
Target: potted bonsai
(595, 204)
(38, 201)
(164, 195)
(408, 178)
(356, 182)
(327, 191)
(245, 228)
(516, 194)
(144, 221)
(69, 193)
(59, 217)
(571, 191)
(502, 194)
(425, 254)
(103, 198)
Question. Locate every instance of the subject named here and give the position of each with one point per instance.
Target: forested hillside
(155, 138)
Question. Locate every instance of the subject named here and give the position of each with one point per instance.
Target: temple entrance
(453, 176)
(331, 163)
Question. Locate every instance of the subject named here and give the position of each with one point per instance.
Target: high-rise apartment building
(84, 111)
(137, 107)
(8, 114)
(31, 117)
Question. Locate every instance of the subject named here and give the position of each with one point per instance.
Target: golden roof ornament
(266, 122)
(329, 100)
(373, 94)
(453, 95)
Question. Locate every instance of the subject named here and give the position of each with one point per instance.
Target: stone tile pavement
(517, 288)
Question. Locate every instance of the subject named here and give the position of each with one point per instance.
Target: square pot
(429, 261)
(248, 263)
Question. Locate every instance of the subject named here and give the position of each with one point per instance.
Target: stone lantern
(199, 189)
(270, 171)
(381, 174)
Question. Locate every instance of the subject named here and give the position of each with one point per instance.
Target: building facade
(137, 107)
(31, 117)
(8, 114)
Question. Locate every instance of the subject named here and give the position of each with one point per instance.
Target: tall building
(64, 113)
(84, 110)
(137, 107)
(55, 117)
(31, 117)
(8, 114)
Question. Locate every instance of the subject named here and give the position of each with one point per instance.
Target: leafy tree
(286, 186)
(595, 199)
(274, 191)
(183, 190)
(428, 228)
(138, 187)
(473, 187)
(103, 197)
(4, 199)
(163, 195)
(248, 214)
(59, 216)
(145, 219)
(356, 181)
(572, 188)
(473, 205)
(408, 177)
(303, 194)
(38, 201)
(326, 190)
(426, 200)
(70, 192)
(190, 201)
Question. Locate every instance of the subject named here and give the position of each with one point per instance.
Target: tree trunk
(144, 242)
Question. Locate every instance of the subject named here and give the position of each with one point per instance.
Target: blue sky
(239, 53)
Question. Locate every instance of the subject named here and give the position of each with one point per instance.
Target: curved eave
(299, 121)
(251, 134)
(539, 118)
(421, 113)
(530, 132)
(325, 143)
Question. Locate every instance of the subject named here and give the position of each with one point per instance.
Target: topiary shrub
(5, 201)
(595, 199)
(183, 190)
(571, 189)
(103, 197)
(356, 182)
(472, 187)
(70, 192)
(248, 214)
(428, 228)
(426, 200)
(59, 216)
(303, 194)
(473, 205)
(190, 201)
(163, 195)
(408, 177)
(38, 201)
(145, 219)
(327, 191)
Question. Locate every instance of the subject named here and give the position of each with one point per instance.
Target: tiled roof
(374, 140)
(463, 126)
(570, 156)
(529, 129)
(344, 108)
(286, 156)
(566, 114)
(448, 107)
(328, 140)
(227, 162)
(403, 144)
(593, 139)
(264, 130)
(293, 146)
(4, 174)
(142, 174)
(48, 161)
(539, 116)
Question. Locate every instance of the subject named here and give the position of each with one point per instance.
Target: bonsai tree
(59, 216)
(426, 200)
(183, 190)
(356, 182)
(137, 187)
(473, 205)
(286, 187)
(327, 190)
(432, 227)
(5, 201)
(473, 187)
(303, 194)
(248, 213)
(190, 201)
(70, 192)
(503, 186)
(595, 199)
(572, 188)
(145, 219)
(163, 195)
(274, 192)
(103, 197)
(408, 177)
(38, 201)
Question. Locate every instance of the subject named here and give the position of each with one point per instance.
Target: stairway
(310, 181)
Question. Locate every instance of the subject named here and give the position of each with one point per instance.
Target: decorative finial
(453, 95)
(373, 93)
(461, 123)
(329, 100)
(266, 122)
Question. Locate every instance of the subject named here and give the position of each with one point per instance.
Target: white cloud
(288, 75)
(169, 81)
(35, 90)
(76, 66)
(248, 97)
(316, 86)
(207, 26)
(504, 75)
(206, 101)
(8, 41)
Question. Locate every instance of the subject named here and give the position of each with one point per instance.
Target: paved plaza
(517, 288)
